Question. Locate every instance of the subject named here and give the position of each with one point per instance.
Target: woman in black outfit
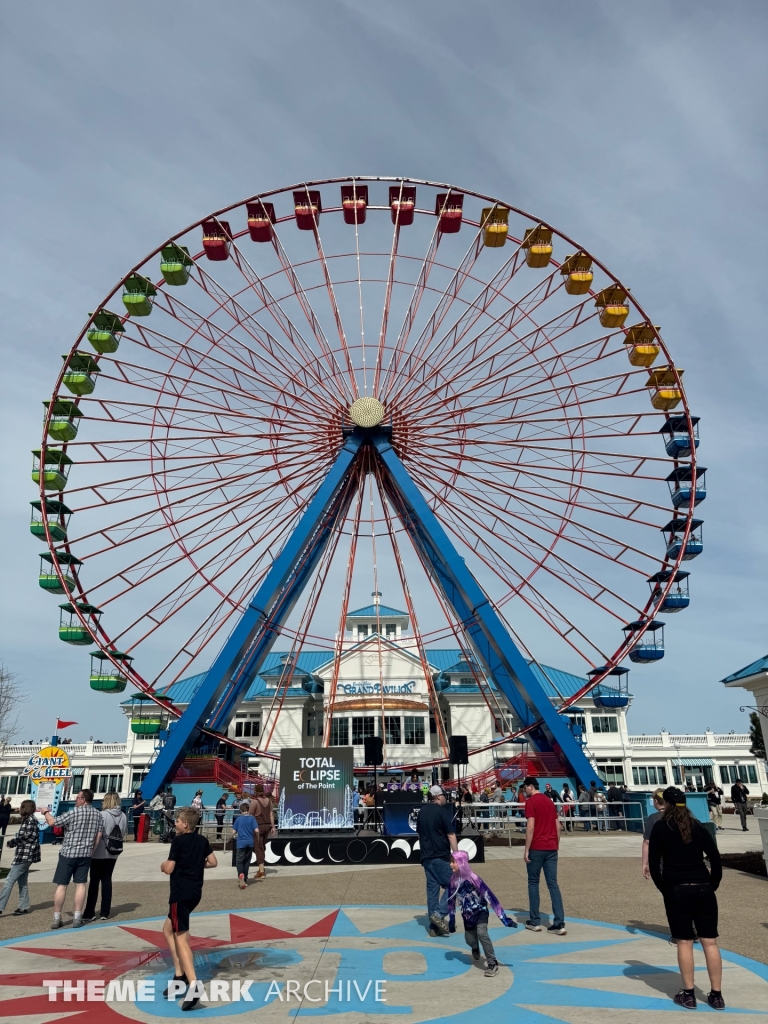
(678, 845)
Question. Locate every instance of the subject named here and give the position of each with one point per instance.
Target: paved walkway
(140, 862)
(358, 963)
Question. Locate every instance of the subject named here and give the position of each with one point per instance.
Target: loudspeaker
(457, 750)
(374, 750)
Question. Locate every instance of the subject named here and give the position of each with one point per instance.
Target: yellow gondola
(642, 344)
(537, 243)
(665, 381)
(612, 303)
(494, 221)
(577, 271)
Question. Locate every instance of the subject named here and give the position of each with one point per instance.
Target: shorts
(178, 914)
(691, 911)
(71, 869)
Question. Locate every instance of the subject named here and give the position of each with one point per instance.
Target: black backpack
(114, 841)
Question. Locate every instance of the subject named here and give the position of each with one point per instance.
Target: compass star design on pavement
(598, 974)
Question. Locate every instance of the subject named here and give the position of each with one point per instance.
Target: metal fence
(509, 818)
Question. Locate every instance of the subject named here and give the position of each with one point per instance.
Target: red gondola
(261, 217)
(402, 203)
(307, 207)
(217, 238)
(449, 208)
(354, 203)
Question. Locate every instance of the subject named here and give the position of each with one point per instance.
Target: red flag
(63, 725)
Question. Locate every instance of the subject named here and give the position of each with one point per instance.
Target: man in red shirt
(542, 840)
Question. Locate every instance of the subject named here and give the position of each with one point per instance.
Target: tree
(11, 696)
(756, 735)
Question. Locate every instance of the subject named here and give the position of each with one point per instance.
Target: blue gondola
(650, 646)
(613, 691)
(680, 480)
(677, 437)
(675, 529)
(678, 597)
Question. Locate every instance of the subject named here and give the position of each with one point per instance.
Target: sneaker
(104, 917)
(89, 917)
(475, 954)
(18, 912)
(56, 923)
(716, 1001)
(190, 1004)
(179, 977)
(241, 881)
(557, 929)
(686, 999)
(438, 924)
(78, 922)
(532, 927)
(492, 969)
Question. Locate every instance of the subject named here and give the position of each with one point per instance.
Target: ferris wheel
(354, 369)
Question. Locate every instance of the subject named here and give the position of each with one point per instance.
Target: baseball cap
(675, 796)
(436, 791)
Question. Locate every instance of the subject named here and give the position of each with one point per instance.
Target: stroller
(167, 823)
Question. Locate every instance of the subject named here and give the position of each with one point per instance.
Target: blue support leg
(215, 701)
(492, 644)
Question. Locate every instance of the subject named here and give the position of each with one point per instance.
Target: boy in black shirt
(189, 855)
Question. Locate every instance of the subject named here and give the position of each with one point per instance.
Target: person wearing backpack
(113, 827)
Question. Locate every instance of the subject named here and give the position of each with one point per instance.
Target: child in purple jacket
(474, 896)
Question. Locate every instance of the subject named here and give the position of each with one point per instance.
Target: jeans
(219, 825)
(101, 873)
(601, 812)
(438, 874)
(584, 813)
(243, 860)
(546, 859)
(741, 810)
(18, 874)
(474, 937)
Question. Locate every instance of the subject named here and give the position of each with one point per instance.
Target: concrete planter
(761, 813)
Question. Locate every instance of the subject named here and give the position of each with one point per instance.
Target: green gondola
(49, 579)
(52, 513)
(147, 717)
(71, 628)
(138, 295)
(54, 466)
(62, 426)
(105, 331)
(79, 375)
(104, 676)
(175, 263)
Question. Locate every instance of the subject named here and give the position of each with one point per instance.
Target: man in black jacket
(615, 798)
(739, 794)
(437, 839)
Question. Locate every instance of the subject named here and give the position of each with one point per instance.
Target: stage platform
(364, 847)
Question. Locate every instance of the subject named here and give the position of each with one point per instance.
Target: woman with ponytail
(474, 896)
(678, 845)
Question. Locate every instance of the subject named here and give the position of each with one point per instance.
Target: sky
(638, 129)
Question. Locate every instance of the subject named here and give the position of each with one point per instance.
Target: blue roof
(371, 611)
(761, 665)
(556, 683)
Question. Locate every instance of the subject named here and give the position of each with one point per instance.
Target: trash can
(142, 833)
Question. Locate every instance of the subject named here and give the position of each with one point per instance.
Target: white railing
(688, 741)
(733, 739)
(645, 741)
(109, 748)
